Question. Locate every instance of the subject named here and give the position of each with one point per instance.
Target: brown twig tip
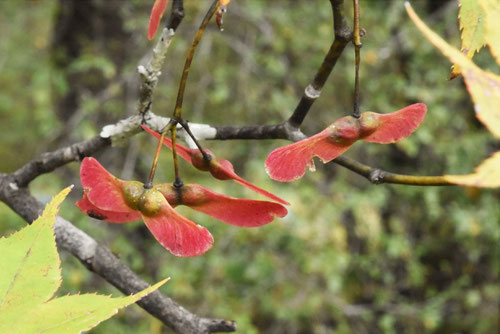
(221, 326)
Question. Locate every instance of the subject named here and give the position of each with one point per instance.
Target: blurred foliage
(350, 257)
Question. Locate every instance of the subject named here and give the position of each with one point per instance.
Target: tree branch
(343, 35)
(47, 162)
(150, 72)
(378, 176)
(278, 131)
(176, 15)
(124, 129)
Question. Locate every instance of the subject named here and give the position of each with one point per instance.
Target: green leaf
(491, 9)
(31, 275)
(483, 86)
(471, 19)
(73, 314)
(28, 254)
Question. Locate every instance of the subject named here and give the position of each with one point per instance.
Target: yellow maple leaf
(471, 18)
(487, 174)
(483, 86)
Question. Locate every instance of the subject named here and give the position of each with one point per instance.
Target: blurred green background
(350, 257)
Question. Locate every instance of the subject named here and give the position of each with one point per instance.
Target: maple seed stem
(178, 184)
(185, 125)
(189, 58)
(174, 153)
(357, 55)
(166, 129)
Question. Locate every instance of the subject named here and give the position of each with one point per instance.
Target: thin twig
(342, 37)
(378, 176)
(277, 131)
(150, 72)
(176, 15)
(47, 162)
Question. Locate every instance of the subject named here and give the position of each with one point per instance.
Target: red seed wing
(224, 170)
(237, 211)
(288, 163)
(177, 234)
(103, 189)
(183, 151)
(155, 18)
(110, 216)
(398, 125)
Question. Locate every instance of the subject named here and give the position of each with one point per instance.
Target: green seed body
(151, 202)
(369, 122)
(132, 191)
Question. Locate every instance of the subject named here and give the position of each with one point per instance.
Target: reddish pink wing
(110, 216)
(155, 18)
(398, 125)
(225, 171)
(103, 189)
(288, 163)
(183, 151)
(237, 211)
(177, 234)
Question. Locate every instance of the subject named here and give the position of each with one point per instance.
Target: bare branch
(47, 162)
(279, 131)
(152, 70)
(342, 37)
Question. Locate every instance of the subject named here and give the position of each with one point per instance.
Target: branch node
(312, 92)
(376, 176)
